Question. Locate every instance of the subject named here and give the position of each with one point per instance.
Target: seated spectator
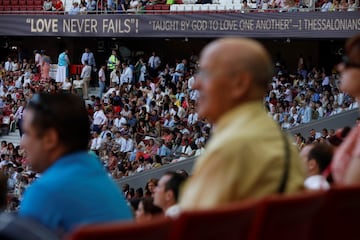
(245, 7)
(150, 187)
(47, 6)
(326, 6)
(75, 9)
(346, 164)
(83, 8)
(91, 5)
(343, 7)
(59, 6)
(317, 158)
(56, 142)
(233, 103)
(352, 6)
(167, 193)
(147, 210)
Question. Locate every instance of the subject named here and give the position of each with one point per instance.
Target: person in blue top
(63, 67)
(73, 189)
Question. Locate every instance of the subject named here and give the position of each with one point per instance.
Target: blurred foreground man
(73, 189)
(248, 156)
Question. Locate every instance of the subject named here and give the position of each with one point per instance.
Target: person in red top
(59, 6)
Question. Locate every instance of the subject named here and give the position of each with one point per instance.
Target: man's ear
(169, 195)
(241, 84)
(50, 139)
(312, 165)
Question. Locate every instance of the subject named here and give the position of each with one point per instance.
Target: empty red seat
(157, 9)
(6, 2)
(287, 217)
(22, 2)
(38, 3)
(165, 8)
(7, 9)
(14, 2)
(1, 8)
(149, 9)
(1, 2)
(339, 217)
(15, 8)
(29, 2)
(156, 229)
(231, 222)
(23, 9)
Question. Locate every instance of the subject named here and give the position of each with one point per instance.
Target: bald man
(248, 156)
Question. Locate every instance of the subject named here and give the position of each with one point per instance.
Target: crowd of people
(145, 113)
(135, 6)
(146, 118)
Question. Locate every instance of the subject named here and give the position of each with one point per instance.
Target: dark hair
(174, 183)
(3, 191)
(66, 114)
(352, 49)
(322, 154)
(149, 206)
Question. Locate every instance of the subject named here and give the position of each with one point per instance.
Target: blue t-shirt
(75, 190)
(62, 59)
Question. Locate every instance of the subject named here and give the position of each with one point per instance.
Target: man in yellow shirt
(248, 156)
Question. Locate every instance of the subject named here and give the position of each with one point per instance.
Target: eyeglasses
(348, 64)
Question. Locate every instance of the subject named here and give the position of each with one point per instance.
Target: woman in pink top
(346, 161)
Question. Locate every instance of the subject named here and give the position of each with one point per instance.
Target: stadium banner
(256, 25)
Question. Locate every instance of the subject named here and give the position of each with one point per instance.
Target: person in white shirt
(193, 117)
(85, 76)
(115, 76)
(78, 87)
(102, 80)
(8, 65)
(127, 145)
(95, 143)
(166, 193)
(316, 157)
(38, 60)
(154, 63)
(99, 119)
(66, 86)
(127, 74)
(120, 121)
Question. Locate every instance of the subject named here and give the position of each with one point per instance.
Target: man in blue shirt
(74, 189)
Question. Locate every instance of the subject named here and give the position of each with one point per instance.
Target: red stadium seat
(157, 229)
(23, 9)
(339, 217)
(7, 9)
(232, 222)
(14, 2)
(38, 3)
(15, 8)
(149, 9)
(29, 2)
(165, 8)
(1, 8)
(1, 2)
(157, 9)
(6, 2)
(287, 217)
(22, 2)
